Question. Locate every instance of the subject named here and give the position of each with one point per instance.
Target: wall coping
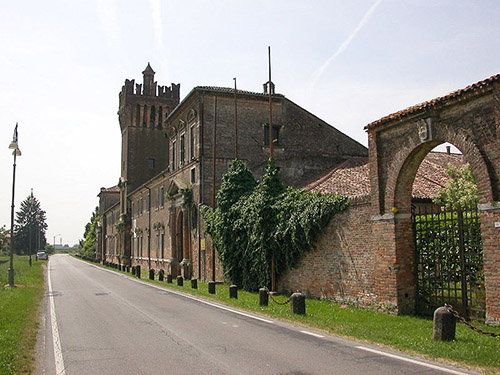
(488, 206)
(390, 216)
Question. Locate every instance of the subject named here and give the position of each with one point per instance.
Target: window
(276, 135)
(152, 117)
(151, 163)
(193, 175)
(173, 154)
(160, 117)
(183, 149)
(145, 111)
(137, 115)
(162, 247)
(191, 143)
(162, 196)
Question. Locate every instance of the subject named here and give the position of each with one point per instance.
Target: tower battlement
(132, 88)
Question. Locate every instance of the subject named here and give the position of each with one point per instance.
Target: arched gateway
(470, 120)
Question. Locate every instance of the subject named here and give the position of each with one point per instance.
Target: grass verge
(409, 334)
(19, 318)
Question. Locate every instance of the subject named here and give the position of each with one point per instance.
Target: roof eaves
(476, 88)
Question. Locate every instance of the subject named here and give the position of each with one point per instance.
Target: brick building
(175, 152)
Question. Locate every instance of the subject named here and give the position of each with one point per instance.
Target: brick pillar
(490, 233)
(394, 272)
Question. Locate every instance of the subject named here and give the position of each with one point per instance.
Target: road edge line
(56, 340)
(414, 361)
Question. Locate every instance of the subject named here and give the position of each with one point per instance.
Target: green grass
(406, 333)
(19, 315)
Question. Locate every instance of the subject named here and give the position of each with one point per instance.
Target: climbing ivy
(255, 222)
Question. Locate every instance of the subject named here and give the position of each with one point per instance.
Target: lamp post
(13, 146)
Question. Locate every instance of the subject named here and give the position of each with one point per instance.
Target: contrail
(344, 45)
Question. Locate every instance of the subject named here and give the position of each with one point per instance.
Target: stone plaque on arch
(424, 129)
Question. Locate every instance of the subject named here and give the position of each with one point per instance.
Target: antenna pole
(235, 122)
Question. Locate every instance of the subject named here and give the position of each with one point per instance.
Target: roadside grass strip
(19, 314)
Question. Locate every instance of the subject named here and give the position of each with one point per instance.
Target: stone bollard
(211, 287)
(298, 303)
(444, 324)
(169, 278)
(151, 274)
(194, 283)
(233, 291)
(180, 281)
(161, 275)
(138, 271)
(263, 297)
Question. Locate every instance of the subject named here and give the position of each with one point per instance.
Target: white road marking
(59, 361)
(443, 369)
(312, 334)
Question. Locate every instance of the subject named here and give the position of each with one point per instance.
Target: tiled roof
(476, 88)
(227, 90)
(352, 177)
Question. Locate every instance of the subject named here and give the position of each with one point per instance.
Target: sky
(350, 62)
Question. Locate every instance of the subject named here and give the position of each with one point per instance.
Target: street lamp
(13, 146)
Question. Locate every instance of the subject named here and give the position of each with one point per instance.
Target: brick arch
(407, 160)
(470, 120)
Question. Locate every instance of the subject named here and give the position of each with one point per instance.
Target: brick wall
(342, 267)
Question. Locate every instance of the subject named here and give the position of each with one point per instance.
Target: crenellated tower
(142, 111)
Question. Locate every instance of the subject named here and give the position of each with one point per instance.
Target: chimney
(448, 150)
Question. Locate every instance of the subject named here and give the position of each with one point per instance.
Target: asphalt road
(96, 321)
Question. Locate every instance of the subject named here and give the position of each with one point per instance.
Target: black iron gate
(449, 261)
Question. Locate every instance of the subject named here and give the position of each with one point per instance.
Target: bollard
(180, 281)
(211, 287)
(169, 278)
(133, 270)
(444, 324)
(298, 303)
(161, 275)
(263, 297)
(194, 283)
(233, 291)
(151, 274)
(138, 271)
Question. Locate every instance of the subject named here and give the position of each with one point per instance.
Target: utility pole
(271, 140)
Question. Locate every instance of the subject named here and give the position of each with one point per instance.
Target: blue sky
(63, 63)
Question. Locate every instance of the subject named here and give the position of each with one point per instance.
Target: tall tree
(460, 191)
(4, 239)
(30, 226)
(89, 242)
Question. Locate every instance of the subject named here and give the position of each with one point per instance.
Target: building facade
(174, 154)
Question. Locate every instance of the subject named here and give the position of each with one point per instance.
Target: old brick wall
(342, 267)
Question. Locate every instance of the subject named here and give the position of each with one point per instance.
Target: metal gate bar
(449, 260)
